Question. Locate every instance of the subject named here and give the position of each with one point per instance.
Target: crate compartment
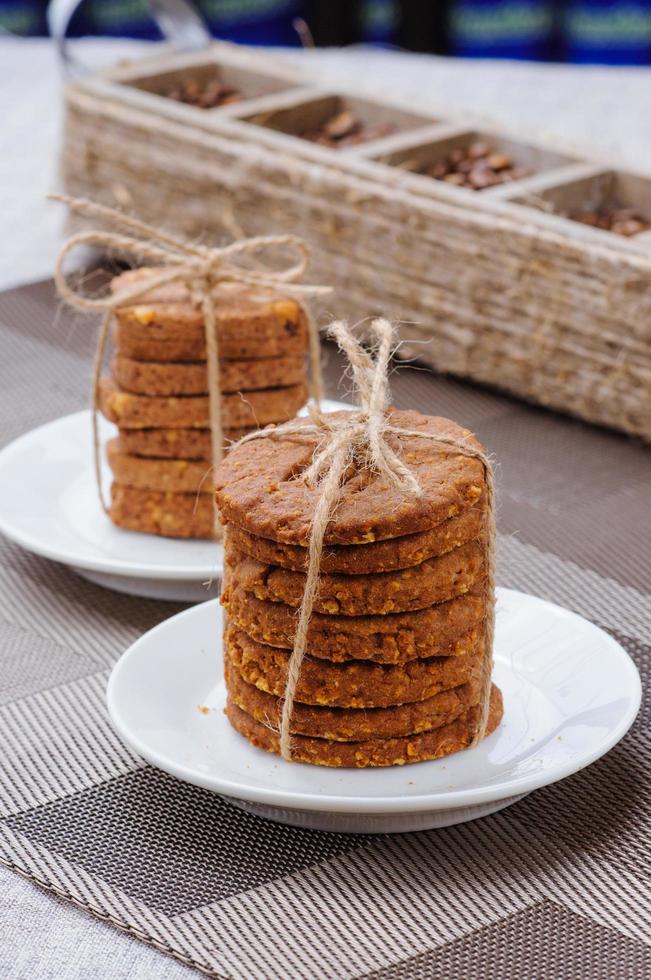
(474, 161)
(338, 122)
(610, 202)
(208, 85)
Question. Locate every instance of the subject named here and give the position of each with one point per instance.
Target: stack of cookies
(157, 395)
(396, 640)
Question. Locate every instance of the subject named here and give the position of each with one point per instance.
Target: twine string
(359, 439)
(202, 269)
(98, 360)
(204, 288)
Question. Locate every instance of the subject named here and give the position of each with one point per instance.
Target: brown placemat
(555, 886)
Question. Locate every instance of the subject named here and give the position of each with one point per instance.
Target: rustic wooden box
(499, 285)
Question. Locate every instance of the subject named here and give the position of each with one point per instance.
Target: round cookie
(168, 475)
(436, 744)
(172, 515)
(359, 559)
(258, 408)
(447, 629)
(377, 593)
(174, 443)
(356, 684)
(165, 325)
(164, 379)
(259, 486)
(352, 724)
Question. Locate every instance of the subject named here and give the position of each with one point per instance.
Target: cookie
(381, 556)
(164, 325)
(447, 629)
(169, 475)
(174, 443)
(259, 486)
(172, 515)
(443, 741)
(257, 408)
(152, 378)
(356, 684)
(352, 724)
(378, 593)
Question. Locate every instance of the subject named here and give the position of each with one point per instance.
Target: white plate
(49, 505)
(570, 691)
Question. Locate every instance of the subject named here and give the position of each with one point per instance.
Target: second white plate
(49, 505)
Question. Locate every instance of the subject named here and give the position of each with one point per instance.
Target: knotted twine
(359, 439)
(202, 269)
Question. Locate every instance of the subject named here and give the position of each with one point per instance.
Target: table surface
(592, 109)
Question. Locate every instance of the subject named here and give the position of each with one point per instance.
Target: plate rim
(376, 805)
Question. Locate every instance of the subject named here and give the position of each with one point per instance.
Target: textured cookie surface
(380, 556)
(352, 724)
(257, 408)
(260, 486)
(163, 379)
(165, 325)
(172, 515)
(429, 745)
(175, 475)
(174, 443)
(378, 593)
(446, 629)
(356, 684)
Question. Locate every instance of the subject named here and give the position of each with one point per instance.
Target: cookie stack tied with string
(211, 343)
(359, 581)
(157, 395)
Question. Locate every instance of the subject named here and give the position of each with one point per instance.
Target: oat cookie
(434, 580)
(444, 630)
(355, 684)
(259, 486)
(172, 515)
(353, 724)
(164, 379)
(256, 408)
(165, 325)
(174, 475)
(434, 744)
(381, 556)
(174, 443)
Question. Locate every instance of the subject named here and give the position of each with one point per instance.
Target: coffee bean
(628, 228)
(208, 94)
(621, 221)
(342, 124)
(439, 170)
(474, 167)
(480, 177)
(499, 161)
(345, 128)
(478, 150)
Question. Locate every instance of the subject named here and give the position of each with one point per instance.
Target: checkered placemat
(555, 887)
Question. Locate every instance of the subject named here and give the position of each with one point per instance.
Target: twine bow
(202, 269)
(359, 438)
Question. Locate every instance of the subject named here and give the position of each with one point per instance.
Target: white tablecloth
(592, 110)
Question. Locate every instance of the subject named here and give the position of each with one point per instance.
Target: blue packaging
(607, 32)
(521, 29)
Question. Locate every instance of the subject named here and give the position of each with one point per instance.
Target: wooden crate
(498, 285)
